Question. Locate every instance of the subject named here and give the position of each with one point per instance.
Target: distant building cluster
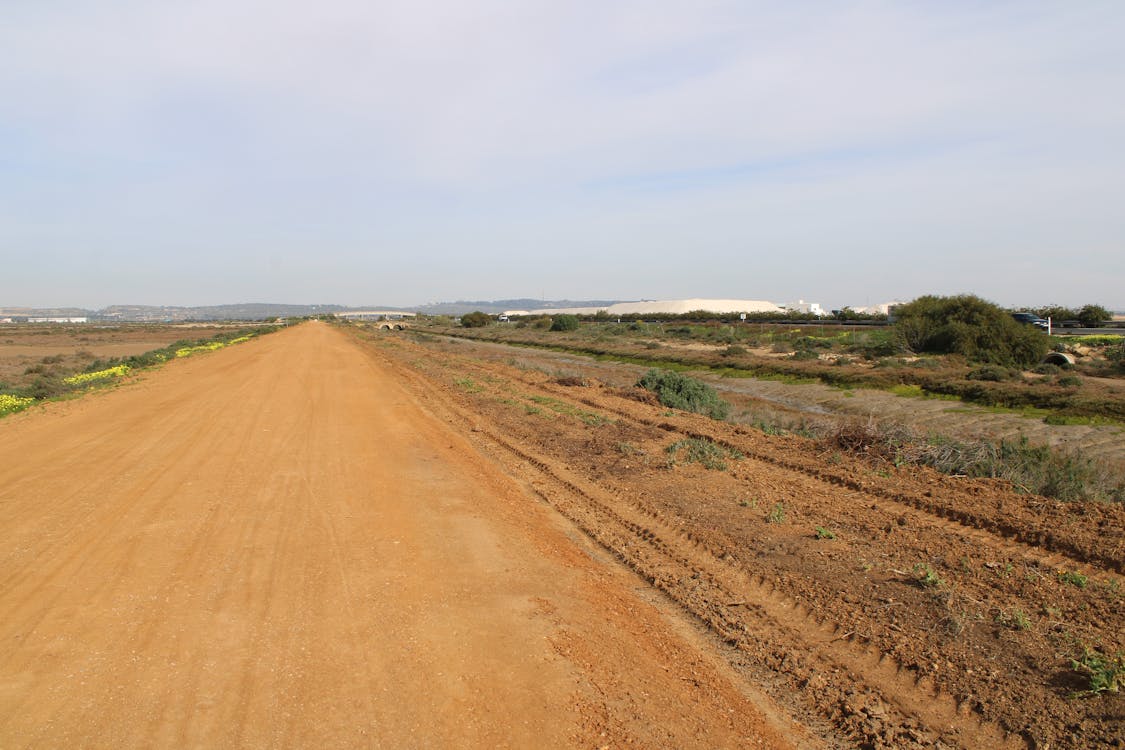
(681, 306)
(44, 319)
(375, 315)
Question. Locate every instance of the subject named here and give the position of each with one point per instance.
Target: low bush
(44, 387)
(475, 319)
(1036, 469)
(680, 392)
(993, 373)
(564, 323)
(542, 323)
(812, 342)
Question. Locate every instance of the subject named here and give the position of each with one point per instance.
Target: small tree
(564, 323)
(1093, 316)
(476, 319)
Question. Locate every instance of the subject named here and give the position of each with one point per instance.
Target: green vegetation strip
(55, 385)
(949, 382)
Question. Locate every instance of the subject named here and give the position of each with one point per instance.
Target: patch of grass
(1074, 578)
(1073, 419)
(1104, 674)
(468, 385)
(767, 428)
(776, 514)
(823, 533)
(1093, 340)
(1017, 619)
(570, 410)
(926, 576)
(694, 450)
(913, 390)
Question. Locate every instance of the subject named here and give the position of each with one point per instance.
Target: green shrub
(993, 373)
(811, 342)
(680, 392)
(1116, 356)
(45, 386)
(564, 323)
(970, 326)
(476, 319)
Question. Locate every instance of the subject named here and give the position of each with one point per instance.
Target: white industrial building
(663, 307)
(809, 308)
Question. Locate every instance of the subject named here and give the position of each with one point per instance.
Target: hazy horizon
(410, 152)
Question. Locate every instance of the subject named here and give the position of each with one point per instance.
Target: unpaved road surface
(280, 545)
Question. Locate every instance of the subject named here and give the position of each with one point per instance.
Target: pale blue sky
(355, 152)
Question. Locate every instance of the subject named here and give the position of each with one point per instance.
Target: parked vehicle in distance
(1030, 319)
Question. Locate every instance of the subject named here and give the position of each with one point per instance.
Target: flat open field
(330, 538)
(41, 348)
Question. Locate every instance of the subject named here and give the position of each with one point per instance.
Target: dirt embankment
(283, 544)
(901, 607)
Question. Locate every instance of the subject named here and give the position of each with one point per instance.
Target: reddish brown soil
(287, 544)
(841, 631)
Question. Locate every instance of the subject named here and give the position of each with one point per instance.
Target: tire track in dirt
(1014, 541)
(746, 610)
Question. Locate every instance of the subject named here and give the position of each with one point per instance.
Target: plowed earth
(845, 629)
(280, 545)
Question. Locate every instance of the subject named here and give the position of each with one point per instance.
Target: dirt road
(277, 545)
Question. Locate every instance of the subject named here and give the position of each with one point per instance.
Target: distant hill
(242, 311)
(175, 314)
